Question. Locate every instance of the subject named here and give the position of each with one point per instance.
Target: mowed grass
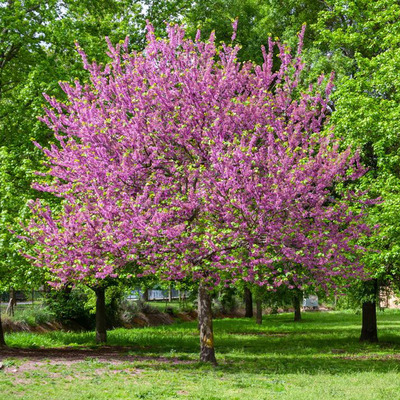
(318, 358)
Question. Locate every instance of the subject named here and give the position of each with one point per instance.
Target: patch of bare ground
(108, 359)
(372, 357)
(110, 355)
(156, 319)
(22, 374)
(17, 326)
(256, 333)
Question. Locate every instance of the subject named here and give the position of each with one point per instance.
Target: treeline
(358, 40)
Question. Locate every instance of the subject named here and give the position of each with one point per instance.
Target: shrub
(33, 315)
(69, 306)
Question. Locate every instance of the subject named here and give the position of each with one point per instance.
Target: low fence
(136, 294)
(156, 294)
(22, 296)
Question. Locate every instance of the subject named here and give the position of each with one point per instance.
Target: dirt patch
(107, 360)
(256, 333)
(107, 354)
(17, 326)
(155, 319)
(187, 316)
(372, 357)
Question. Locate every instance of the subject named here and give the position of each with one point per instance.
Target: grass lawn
(318, 358)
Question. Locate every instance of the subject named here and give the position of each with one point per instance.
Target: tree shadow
(279, 346)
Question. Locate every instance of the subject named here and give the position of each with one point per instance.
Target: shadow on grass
(322, 343)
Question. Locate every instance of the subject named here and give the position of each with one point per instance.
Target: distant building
(310, 303)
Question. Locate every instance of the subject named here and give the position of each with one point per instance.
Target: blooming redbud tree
(190, 164)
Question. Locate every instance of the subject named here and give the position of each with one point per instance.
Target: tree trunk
(101, 320)
(248, 300)
(259, 311)
(296, 305)
(146, 295)
(369, 329)
(10, 308)
(207, 352)
(170, 293)
(2, 341)
(13, 297)
(12, 303)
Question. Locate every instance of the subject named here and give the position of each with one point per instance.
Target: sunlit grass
(318, 358)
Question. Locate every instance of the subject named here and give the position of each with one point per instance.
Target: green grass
(162, 305)
(318, 358)
(30, 314)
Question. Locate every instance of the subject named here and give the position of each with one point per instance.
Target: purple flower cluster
(190, 164)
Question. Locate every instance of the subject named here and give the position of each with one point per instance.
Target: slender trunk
(12, 302)
(13, 297)
(10, 308)
(248, 300)
(296, 305)
(170, 294)
(259, 311)
(369, 330)
(207, 352)
(146, 295)
(101, 320)
(2, 341)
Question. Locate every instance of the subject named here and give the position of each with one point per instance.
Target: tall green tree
(361, 41)
(37, 50)
(258, 19)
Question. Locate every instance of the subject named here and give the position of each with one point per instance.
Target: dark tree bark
(13, 297)
(248, 300)
(297, 295)
(369, 329)
(146, 295)
(2, 341)
(101, 320)
(259, 311)
(207, 352)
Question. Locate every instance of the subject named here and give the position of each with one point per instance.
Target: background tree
(37, 51)
(360, 41)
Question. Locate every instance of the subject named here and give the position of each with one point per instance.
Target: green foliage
(115, 294)
(281, 298)
(32, 315)
(70, 306)
(257, 20)
(37, 50)
(226, 302)
(361, 42)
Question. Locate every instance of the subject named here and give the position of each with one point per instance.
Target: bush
(128, 311)
(226, 302)
(69, 306)
(33, 315)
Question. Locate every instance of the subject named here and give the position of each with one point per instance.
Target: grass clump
(31, 315)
